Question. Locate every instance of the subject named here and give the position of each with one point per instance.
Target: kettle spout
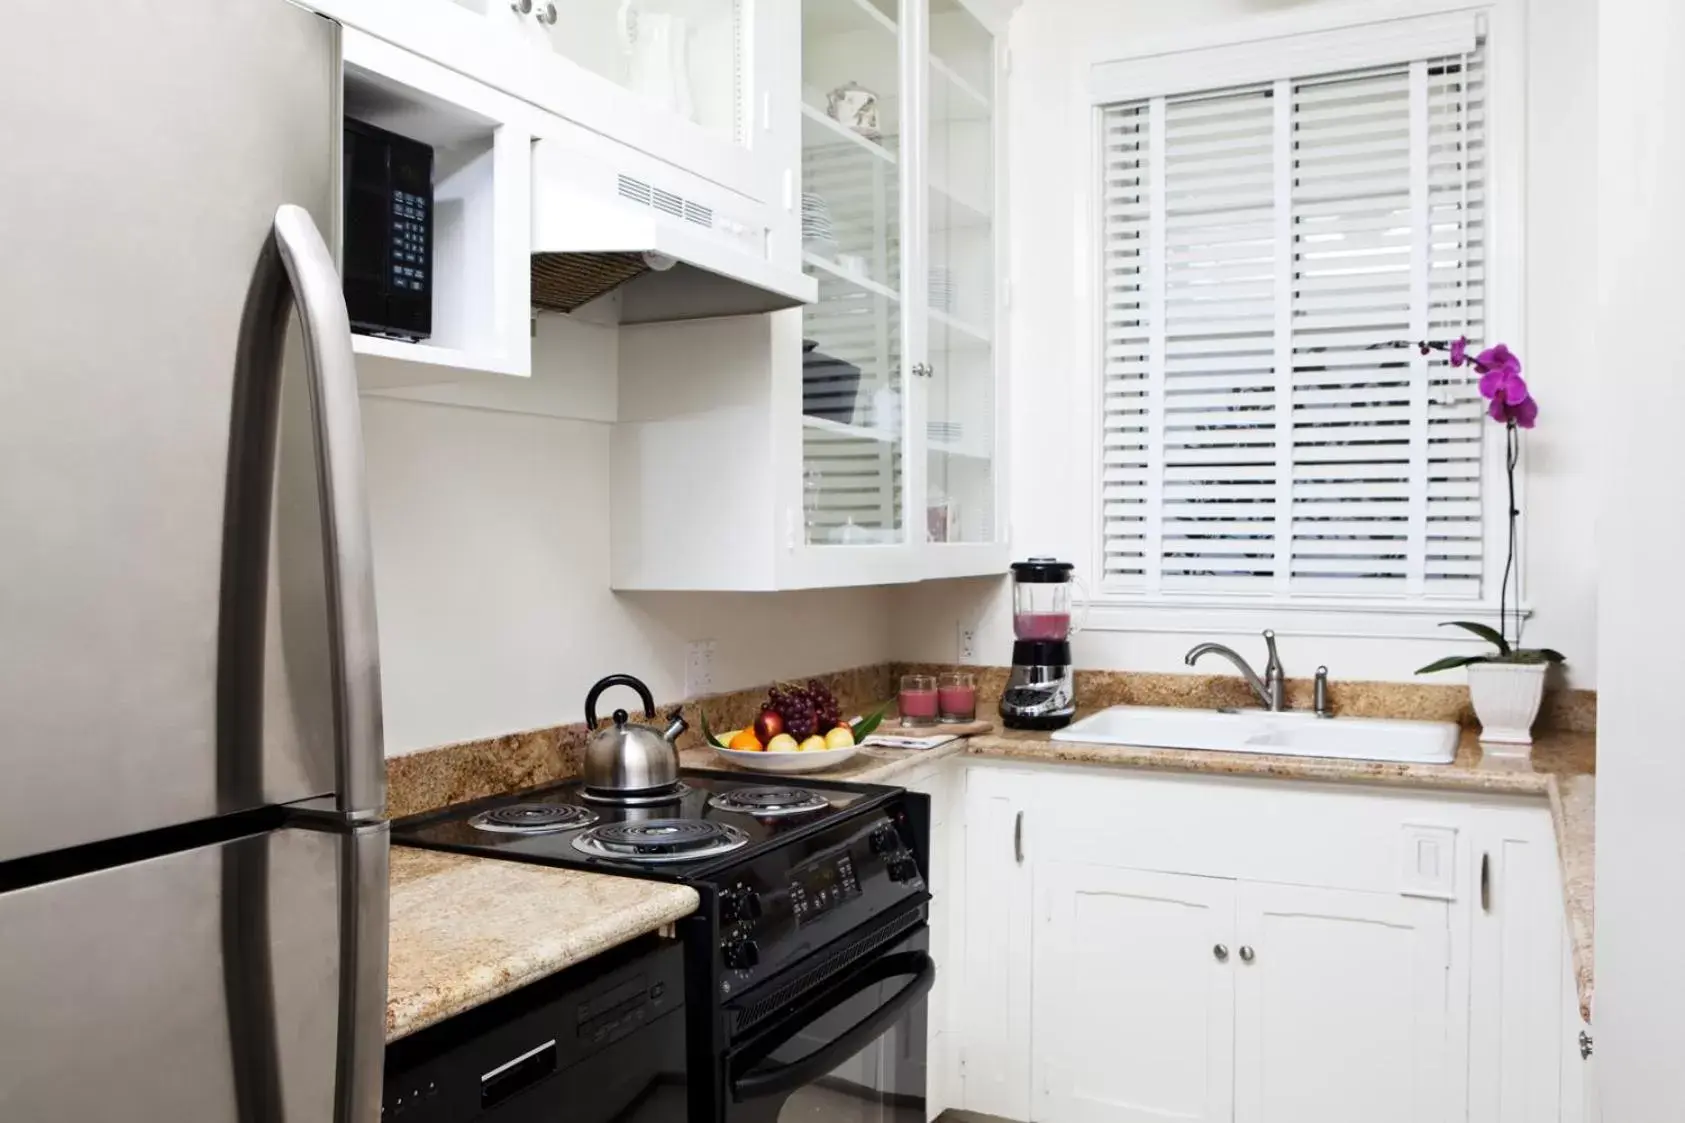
(677, 725)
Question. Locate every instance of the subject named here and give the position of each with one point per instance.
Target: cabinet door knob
(1221, 951)
(521, 7)
(547, 15)
(1246, 955)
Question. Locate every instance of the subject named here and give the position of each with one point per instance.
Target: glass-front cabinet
(899, 192)
(961, 250)
(857, 440)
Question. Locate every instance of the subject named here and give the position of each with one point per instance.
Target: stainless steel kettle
(627, 760)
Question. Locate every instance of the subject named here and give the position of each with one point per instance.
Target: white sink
(1259, 731)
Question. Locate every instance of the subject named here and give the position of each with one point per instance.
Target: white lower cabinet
(1139, 948)
(1177, 997)
(1340, 1006)
(1134, 995)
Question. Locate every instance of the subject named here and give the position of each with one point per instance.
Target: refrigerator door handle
(363, 950)
(360, 764)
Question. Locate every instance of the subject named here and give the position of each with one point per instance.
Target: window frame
(1357, 615)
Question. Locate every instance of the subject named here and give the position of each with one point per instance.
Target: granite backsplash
(438, 777)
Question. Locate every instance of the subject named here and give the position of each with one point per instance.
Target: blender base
(1036, 722)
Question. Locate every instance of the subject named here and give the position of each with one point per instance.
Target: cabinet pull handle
(1221, 951)
(1585, 1046)
(1486, 883)
(1018, 838)
(1246, 954)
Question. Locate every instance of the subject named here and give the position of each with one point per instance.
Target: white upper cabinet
(856, 441)
(694, 83)
(900, 173)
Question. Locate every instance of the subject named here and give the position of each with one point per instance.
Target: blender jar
(1041, 599)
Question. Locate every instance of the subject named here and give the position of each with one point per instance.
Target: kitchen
(646, 484)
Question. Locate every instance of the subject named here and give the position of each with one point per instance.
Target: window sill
(1356, 619)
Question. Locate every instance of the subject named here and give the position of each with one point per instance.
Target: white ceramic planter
(1506, 699)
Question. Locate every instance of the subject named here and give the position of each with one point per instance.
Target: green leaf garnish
(863, 728)
(708, 734)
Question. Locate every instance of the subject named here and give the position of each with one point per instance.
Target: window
(1258, 242)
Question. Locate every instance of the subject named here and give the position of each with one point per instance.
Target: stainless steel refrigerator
(192, 860)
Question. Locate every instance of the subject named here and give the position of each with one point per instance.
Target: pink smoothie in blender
(1041, 599)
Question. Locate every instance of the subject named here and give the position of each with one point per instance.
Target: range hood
(670, 256)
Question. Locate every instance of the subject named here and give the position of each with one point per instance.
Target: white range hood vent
(671, 257)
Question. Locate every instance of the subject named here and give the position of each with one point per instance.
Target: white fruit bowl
(815, 761)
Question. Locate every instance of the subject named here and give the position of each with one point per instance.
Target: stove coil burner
(660, 840)
(534, 818)
(635, 799)
(770, 801)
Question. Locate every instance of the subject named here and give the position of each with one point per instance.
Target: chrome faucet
(1271, 689)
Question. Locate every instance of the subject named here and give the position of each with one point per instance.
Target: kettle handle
(644, 695)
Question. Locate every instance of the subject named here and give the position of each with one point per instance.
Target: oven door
(853, 1051)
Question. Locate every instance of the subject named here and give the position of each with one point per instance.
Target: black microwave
(388, 266)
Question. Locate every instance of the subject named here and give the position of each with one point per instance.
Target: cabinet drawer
(1367, 839)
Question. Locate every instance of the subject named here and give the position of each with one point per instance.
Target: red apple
(768, 724)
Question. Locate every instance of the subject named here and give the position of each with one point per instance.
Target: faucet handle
(1320, 705)
(1274, 663)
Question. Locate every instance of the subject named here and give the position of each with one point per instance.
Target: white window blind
(1258, 242)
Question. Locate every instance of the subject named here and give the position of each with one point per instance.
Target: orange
(745, 741)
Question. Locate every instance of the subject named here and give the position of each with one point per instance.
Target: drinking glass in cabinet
(958, 281)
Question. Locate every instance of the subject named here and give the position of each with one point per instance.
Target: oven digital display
(820, 886)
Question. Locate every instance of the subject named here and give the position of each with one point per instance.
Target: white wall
(1639, 1014)
(491, 567)
(1052, 41)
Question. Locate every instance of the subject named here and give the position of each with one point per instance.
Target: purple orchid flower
(1510, 404)
(1523, 413)
(1504, 384)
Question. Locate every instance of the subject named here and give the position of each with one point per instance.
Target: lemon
(842, 737)
(783, 743)
(814, 744)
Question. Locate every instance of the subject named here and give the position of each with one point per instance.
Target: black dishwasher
(603, 1042)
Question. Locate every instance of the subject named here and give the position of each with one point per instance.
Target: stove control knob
(740, 905)
(903, 869)
(885, 840)
(742, 955)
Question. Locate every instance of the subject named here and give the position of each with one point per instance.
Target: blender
(1041, 688)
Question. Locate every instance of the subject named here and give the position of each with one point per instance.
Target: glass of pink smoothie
(918, 700)
(956, 696)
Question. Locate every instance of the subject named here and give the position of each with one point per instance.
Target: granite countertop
(466, 930)
(1561, 771)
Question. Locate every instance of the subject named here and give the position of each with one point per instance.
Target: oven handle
(772, 1079)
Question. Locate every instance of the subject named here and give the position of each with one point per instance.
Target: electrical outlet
(966, 642)
(699, 667)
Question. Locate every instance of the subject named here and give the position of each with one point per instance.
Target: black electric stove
(713, 821)
(811, 935)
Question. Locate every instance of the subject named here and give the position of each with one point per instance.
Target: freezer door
(167, 651)
(207, 985)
